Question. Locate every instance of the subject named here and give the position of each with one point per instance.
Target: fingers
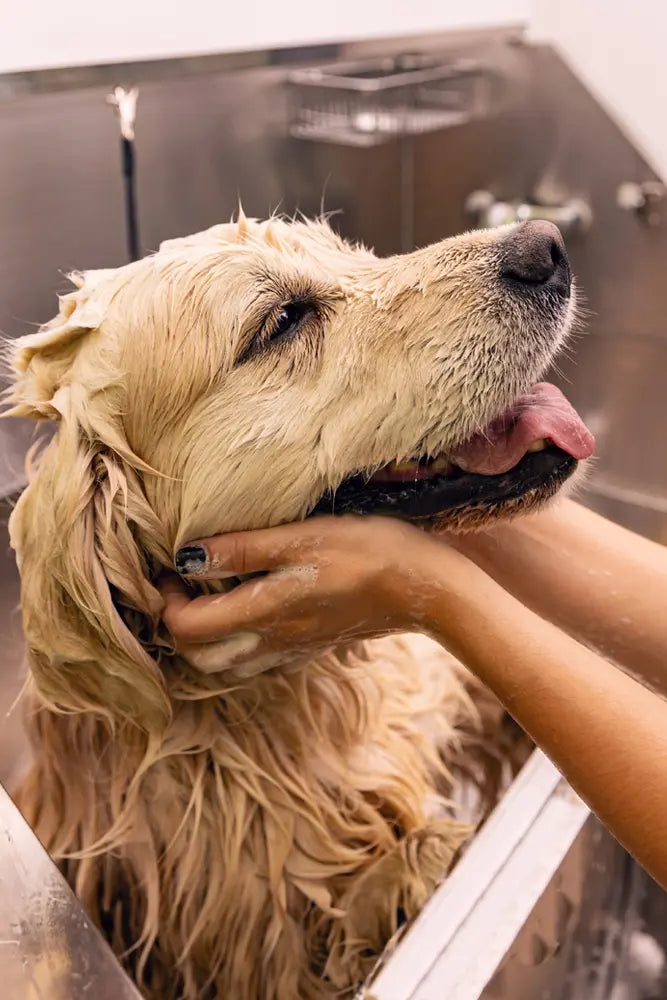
(243, 552)
(174, 592)
(247, 652)
(252, 607)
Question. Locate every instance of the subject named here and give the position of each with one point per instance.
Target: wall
(41, 33)
(619, 50)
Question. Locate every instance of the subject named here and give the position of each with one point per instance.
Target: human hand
(329, 580)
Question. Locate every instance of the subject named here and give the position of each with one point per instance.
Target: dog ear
(76, 532)
(42, 362)
(85, 538)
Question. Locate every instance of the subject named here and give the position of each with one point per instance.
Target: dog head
(256, 373)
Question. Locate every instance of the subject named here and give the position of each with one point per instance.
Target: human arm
(343, 578)
(597, 581)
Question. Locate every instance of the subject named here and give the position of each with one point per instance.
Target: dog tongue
(543, 413)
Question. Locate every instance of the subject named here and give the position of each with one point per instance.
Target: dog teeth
(442, 465)
(538, 445)
(402, 466)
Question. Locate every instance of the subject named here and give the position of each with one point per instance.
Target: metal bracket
(646, 200)
(573, 217)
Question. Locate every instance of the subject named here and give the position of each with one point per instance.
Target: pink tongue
(543, 413)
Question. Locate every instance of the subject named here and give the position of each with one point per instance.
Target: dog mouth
(518, 460)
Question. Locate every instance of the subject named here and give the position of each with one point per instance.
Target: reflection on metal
(544, 905)
(636, 498)
(367, 103)
(49, 949)
(490, 894)
(573, 218)
(646, 200)
(617, 382)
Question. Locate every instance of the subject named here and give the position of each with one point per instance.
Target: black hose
(132, 229)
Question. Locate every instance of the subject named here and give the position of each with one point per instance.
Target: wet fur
(255, 835)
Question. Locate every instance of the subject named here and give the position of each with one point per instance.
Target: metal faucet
(573, 217)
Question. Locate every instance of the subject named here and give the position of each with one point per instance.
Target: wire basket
(368, 103)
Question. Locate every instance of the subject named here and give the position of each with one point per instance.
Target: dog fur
(249, 834)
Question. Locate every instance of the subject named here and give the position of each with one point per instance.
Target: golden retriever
(259, 833)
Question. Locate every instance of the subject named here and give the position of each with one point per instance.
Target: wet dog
(259, 833)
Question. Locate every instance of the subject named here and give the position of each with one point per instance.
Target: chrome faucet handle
(646, 200)
(573, 217)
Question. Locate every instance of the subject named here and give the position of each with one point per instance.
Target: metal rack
(368, 103)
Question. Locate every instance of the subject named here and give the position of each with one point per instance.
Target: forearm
(358, 578)
(602, 584)
(604, 731)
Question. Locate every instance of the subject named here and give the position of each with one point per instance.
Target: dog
(260, 833)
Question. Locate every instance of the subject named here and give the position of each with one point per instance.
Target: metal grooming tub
(414, 139)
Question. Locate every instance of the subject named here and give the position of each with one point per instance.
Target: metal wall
(214, 129)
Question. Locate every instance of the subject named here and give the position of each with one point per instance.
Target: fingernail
(191, 560)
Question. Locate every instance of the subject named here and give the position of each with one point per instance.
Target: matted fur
(248, 833)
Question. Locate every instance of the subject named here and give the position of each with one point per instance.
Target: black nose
(534, 255)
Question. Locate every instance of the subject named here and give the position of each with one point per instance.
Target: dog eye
(288, 320)
(298, 318)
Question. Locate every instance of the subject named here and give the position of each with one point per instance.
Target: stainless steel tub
(534, 910)
(49, 949)
(544, 905)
